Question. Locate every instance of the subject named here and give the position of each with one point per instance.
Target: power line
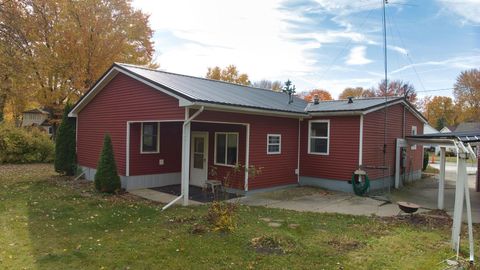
(347, 46)
(407, 54)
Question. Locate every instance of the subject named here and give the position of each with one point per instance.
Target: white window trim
(414, 147)
(226, 146)
(279, 144)
(158, 140)
(319, 137)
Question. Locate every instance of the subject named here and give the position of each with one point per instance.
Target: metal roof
(218, 92)
(358, 104)
(36, 110)
(466, 137)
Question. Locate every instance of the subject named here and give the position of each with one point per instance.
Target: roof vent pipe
(316, 99)
(350, 100)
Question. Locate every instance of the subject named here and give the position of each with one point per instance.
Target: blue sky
(319, 43)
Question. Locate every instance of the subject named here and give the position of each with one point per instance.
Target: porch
(173, 154)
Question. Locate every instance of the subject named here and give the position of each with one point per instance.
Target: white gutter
(185, 159)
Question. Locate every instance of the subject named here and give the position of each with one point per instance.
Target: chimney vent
(350, 100)
(316, 100)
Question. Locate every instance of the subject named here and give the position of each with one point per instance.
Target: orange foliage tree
(322, 95)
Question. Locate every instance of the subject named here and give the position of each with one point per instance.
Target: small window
(274, 142)
(226, 148)
(150, 138)
(50, 130)
(318, 137)
(414, 132)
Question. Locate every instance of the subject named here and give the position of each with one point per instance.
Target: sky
(327, 44)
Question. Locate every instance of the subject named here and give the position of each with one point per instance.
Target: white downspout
(247, 156)
(298, 152)
(360, 143)
(185, 160)
(127, 154)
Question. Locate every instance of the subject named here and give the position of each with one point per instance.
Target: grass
(50, 222)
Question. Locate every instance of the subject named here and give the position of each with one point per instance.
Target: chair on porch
(214, 184)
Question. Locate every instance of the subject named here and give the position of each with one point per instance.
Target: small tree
(65, 156)
(106, 178)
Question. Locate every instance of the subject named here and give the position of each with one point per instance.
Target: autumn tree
(322, 95)
(66, 45)
(228, 74)
(440, 111)
(271, 85)
(397, 88)
(357, 92)
(467, 95)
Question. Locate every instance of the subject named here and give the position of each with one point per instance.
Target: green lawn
(49, 222)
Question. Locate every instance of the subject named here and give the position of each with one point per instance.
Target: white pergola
(463, 143)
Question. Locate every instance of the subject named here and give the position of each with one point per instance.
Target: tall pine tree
(65, 156)
(106, 178)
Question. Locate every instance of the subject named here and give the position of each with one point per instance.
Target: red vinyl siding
(342, 159)
(373, 138)
(122, 99)
(170, 150)
(276, 169)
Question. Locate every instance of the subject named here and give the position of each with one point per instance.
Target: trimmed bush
(65, 156)
(21, 145)
(426, 157)
(106, 178)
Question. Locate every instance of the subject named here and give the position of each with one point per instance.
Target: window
(226, 148)
(414, 132)
(318, 137)
(274, 142)
(50, 130)
(150, 139)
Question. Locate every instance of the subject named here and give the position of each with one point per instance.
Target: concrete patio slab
(157, 196)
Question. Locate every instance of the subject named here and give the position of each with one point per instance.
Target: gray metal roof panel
(358, 104)
(211, 91)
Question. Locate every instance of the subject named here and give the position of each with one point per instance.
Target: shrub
(222, 216)
(65, 157)
(106, 178)
(21, 145)
(426, 156)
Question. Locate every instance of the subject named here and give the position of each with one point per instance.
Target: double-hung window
(318, 137)
(226, 148)
(274, 144)
(150, 139)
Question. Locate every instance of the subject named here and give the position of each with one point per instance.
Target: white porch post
(441, 179)
(459, 199)
(186, 162)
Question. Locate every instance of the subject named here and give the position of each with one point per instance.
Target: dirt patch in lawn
(431, 219)
(345, 244)
(272, 244)
(293, 193)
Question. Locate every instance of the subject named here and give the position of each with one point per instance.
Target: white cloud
(250, 34)
(469, 10)
(459, 62)
(357, 56)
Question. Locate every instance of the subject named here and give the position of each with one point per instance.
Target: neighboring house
(447, 129)
(38, 118)
(427, 129)
(165, 126)
(468, 126)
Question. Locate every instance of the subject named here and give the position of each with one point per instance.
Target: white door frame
(205, 135)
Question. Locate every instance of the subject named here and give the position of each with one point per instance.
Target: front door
(199, 159)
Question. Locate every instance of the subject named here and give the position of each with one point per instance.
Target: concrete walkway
(321, 201)
(158, 196)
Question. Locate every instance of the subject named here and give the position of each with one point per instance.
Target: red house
(167, 128)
